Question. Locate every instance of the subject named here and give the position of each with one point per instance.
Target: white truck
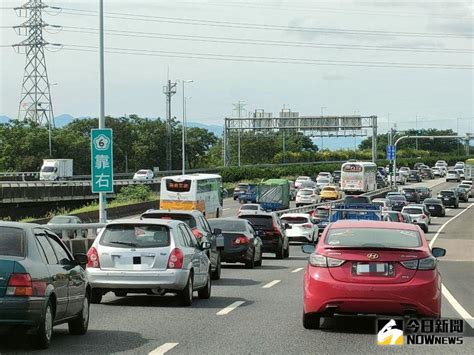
(56, 169)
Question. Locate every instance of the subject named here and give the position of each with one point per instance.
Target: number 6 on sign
(102, 160)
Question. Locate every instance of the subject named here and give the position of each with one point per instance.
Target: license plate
(431, 208)
(446, 199)
(378, 269)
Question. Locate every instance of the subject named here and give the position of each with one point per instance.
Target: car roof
(22, 225)
(305, 215)
(188, 212)
(156, 221)
(347, 223)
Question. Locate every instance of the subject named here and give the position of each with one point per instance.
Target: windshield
(305, 192)
(48, 169)
(142, 172)
(249, 207)
(227, 225)
(447, 193)
(12, 241)
(452, 172)
(294, 220)
(330, 189)
(432, 201)
(257, 221)
(302, 178)
(186, 218)
(136, 236)
(322, 213)
(412, 210)
(60, 220)
(323, 180)
(373, 237)
(356, 199)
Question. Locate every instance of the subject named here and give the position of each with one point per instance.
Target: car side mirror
(438, 252)
(80, 259)
(217, 231)
(308, 248)
(205, 245)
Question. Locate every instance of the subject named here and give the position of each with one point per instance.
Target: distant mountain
(63, 120)
(4, 119)
(216, 129)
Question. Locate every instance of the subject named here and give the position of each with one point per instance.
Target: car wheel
(280, 252)
(216, 274)
(185, 296)
(96, 296)
(45, 331)
(249, 264)
(205, 293)
(120, 294)
(79, 325)
(286, 252)
(311, 320)
(259, 261)
(425, 229)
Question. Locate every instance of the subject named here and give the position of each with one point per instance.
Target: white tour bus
(358, 177)
(200, 192)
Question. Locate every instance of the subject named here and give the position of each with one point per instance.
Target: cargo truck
(56, 169)
(274, 194)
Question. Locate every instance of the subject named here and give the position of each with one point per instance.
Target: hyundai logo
(373, 256)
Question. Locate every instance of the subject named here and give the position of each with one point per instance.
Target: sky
(220, 45)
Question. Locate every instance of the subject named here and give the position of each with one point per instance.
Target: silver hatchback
(148, 256)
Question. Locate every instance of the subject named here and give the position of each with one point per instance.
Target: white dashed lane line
(230, 308)
(163, 349)
(271, 284)
(298, 269)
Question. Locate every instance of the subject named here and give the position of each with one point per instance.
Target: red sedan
(371, 267)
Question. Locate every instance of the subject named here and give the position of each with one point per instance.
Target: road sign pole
(102, 195)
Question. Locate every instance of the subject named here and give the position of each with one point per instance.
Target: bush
(138, 193)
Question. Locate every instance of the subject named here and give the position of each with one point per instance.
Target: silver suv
(418, 216)
(150, 256)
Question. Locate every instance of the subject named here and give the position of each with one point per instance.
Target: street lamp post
(183, 138)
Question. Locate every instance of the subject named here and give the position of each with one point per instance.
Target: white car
(441, 163)
(453, 175)
(437, 171)
(383, 203)
(468, 184)
(418, 216)
(461, 173)
(401, 178)
(143, 174)
(300, 180)
(250, 207)
(307, 197)
(404, 170)
(302, 228)
(322, 182)
(459, 165)
(325, 175)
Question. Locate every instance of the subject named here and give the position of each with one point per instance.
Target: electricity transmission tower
(169, 90)
(35, 101)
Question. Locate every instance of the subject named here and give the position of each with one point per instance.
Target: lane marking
(270, 284)
(448, 209)
(298, 269)
(230, 308)
(226, 209)
(454, 303)
(446, 223)
(163, 349)
(457, 306)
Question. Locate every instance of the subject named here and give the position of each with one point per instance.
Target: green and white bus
(200, 192)
(469, 169)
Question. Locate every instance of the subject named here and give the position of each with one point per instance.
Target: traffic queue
(367, 247)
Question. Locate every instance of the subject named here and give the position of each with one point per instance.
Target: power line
(200, 22)
(261, 59)
(262, 42)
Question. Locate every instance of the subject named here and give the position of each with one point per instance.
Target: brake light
(319, 260)
(20, 285)
(197, 233)
(240, 240)
(175, 260)
(93, 258)
(307, 225)
(276, 230)
(428, 263)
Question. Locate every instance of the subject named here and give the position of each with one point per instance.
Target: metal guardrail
(309, 208)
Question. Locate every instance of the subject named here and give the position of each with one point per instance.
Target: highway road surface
(259, 311)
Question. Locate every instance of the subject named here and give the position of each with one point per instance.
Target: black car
(424, 192)
(414, 175)
(381, 181)
(463, 193)
(417, 166)
(238, 189)
(411, 194)
(41, 283)
(435, 207)
(427, 173)
(336, 174)
(449, 198)
(398, 202)
(201, 230)
(242, 243)
(273, 237)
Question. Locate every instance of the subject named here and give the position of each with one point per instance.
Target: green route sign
(102, 169)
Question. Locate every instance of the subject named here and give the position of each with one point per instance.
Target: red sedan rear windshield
(12, 241)
(373, 238)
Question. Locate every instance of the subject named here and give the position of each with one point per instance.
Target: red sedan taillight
(319, 260)
(428, 263)
(93, 258)
(20, 285)
(175, 260)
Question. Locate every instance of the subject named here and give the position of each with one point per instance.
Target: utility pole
(102, 195)
(416, 125)
(35, 100)
(169, 90)
(183, 130)
(239, 107)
